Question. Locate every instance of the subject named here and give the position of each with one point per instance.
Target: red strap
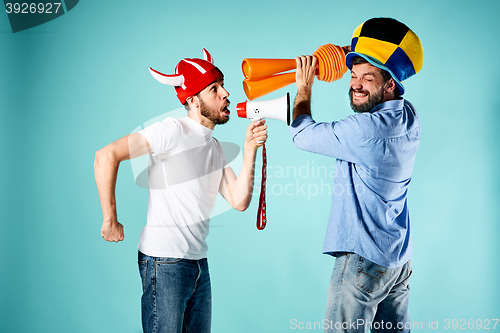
(261, 214)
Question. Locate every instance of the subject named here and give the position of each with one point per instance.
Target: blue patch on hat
(354, 41)
(400, 64)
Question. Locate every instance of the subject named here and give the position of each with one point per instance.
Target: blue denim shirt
(375, 153)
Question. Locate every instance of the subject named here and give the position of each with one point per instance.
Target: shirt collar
(395, 104)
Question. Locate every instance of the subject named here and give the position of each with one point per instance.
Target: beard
(212, 114)
(373, 100)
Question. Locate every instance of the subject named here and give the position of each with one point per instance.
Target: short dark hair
(357, 60)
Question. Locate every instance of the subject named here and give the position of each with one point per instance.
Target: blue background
(77, 83)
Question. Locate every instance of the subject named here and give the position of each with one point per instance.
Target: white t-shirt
(185, 172)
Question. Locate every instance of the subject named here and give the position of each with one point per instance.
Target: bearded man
(369, 225)
(188, 168)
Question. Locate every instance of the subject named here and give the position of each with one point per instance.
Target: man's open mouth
(360, 94)
(226, 111)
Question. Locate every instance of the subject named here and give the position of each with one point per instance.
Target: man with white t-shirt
(188, 169)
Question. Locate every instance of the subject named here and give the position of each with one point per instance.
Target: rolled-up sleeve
(339, 139)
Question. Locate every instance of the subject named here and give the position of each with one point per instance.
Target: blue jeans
(177, 296)
(365, 296)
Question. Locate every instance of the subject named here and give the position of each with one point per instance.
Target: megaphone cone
(278, 108)
(256, 89)
(331, 67)
(256, 69)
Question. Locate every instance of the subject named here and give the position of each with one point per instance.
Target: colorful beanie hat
(192, 75)
(389, 45)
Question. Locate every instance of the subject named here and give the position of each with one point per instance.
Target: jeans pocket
(372, 277)
(406, 281)
(167, 260)
(143, 269)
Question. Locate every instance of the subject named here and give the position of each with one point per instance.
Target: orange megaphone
(262, 75)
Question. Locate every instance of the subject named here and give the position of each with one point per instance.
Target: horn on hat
(207, 56)
(176, 80)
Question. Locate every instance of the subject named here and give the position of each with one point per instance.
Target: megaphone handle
(257, 119)
(261, 213)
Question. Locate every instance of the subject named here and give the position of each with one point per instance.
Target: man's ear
(391, 85)
(193, 102)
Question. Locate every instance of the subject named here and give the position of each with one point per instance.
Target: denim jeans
(177, 296)
(364, 296)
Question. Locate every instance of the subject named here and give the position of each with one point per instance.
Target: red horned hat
(191, 76)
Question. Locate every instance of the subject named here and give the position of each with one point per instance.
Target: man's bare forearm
(243, 187)
(105, 172)
(238, 190)
(302, 104)
(107, 161)
(304, 78)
